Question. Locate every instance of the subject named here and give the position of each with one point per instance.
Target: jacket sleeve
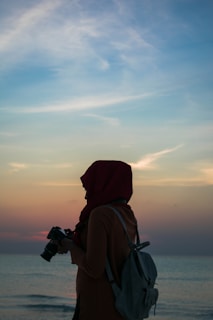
(93, 261)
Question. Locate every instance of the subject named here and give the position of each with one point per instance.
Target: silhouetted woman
(99, 234)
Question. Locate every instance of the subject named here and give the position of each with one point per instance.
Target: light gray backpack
(136, 295)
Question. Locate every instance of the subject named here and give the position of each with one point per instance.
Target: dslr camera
(56, 233)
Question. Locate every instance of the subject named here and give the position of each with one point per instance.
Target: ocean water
(34, 289)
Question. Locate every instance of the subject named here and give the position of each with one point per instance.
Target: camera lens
(49, 251)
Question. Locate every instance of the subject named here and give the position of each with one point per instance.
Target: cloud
(15, 28)
(208, 175)
(108, 120)
(58, 184)
(81, 103)
(20, 31)
(37, 236)
(148, 161)
(199, 175)
(173, 181)
(17, 166)
(79, 32)
(104, 64)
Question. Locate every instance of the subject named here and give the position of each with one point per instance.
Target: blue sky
(87, 80)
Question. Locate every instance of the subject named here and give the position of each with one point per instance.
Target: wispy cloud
(25, 22)
(200, 174)
(208, 174)
(79, 32)
(37, 236)
(108, 120)
(17, 166)
(20, 32)
(174, 181)
(148, 161)
(201, 177)
(85, 103)
(58, 184)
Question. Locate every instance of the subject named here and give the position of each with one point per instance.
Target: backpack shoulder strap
(111, 278)
(130, 243)
(139, 246)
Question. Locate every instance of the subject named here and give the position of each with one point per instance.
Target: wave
(38, 296)
(35, 297)
(37, 302)
(168, 310)
(49, 307)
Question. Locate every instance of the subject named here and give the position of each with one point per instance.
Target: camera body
(57, 234)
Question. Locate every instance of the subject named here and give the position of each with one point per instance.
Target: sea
(34, 289)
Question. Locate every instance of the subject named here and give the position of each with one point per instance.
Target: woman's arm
(92, 261)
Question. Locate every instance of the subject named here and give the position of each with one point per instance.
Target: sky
(126, 80)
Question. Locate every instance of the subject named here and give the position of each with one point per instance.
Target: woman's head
(106, 181)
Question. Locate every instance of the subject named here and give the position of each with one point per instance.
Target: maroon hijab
(105, 181)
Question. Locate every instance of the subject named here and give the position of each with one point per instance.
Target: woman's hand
(64, 245)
